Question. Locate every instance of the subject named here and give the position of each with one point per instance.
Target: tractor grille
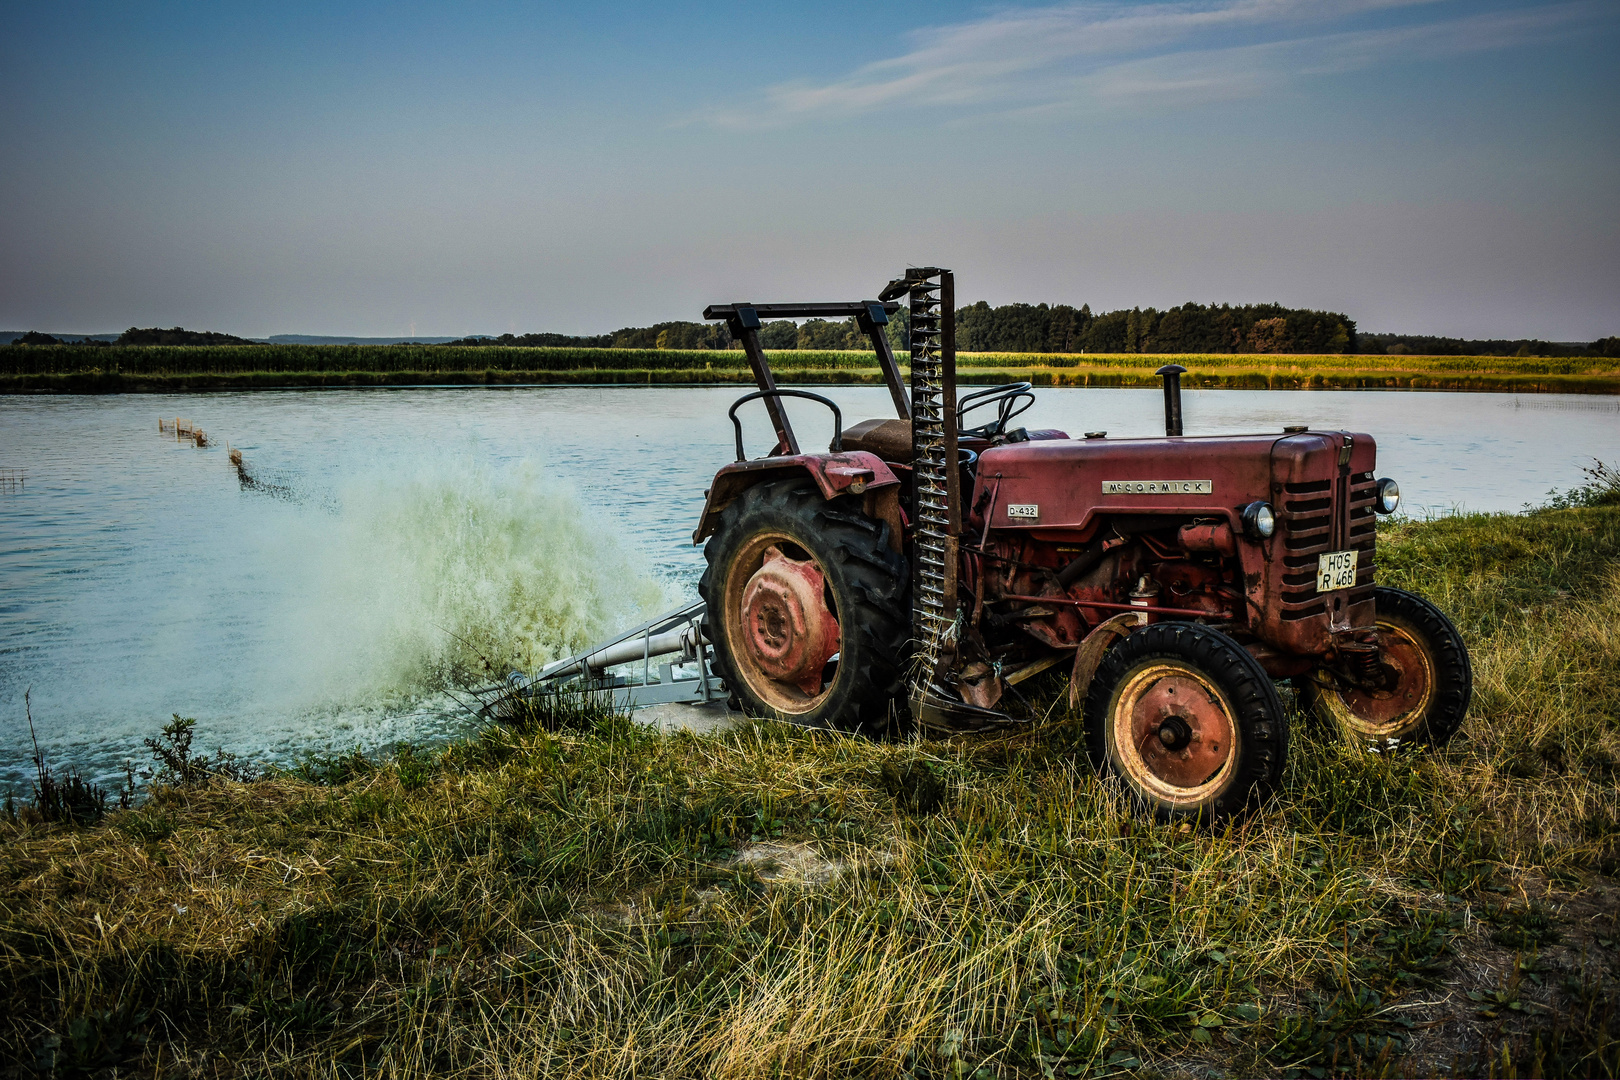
(932, 617)
(1319, 516)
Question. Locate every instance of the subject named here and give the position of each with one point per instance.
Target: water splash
(452, 573)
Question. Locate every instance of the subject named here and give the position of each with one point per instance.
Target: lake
(383, 546)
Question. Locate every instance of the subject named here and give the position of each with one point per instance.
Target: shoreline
(99, 383)
(75, 369)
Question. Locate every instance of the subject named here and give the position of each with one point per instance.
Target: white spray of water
(451, 572)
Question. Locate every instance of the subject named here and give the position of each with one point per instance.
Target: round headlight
(1389, 496)
(1259, 520)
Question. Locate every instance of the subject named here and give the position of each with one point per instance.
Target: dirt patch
(790, 864)
(1530, 965)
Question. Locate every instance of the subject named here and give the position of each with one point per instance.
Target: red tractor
(926, 565)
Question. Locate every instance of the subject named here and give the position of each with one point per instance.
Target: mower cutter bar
(675, 638)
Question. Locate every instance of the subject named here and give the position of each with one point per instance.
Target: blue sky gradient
(1426, 166)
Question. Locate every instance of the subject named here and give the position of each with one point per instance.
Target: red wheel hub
(786, 624)
(1181, 731)
(1408, 689)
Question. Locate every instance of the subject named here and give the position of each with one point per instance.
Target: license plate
(1335, 570)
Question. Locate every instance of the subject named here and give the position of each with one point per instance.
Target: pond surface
(385, 546)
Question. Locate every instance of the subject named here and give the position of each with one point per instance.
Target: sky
(1425, 166)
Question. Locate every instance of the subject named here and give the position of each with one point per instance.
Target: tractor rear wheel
(808, 607)
(1187, 721)
(1427, 679)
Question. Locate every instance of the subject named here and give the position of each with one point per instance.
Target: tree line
(1012, 328)
(1015, 328)
(1060, 328)
(136, 336)
(780, 334)
(1425, 345)
(1018, 328)
(1188, 328)
(177, 336)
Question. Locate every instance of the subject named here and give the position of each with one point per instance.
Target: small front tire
(1188, 722)
(1429, 680)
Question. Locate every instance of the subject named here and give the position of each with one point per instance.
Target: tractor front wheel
(1426, 679)
(807, 607)
(1188, 722)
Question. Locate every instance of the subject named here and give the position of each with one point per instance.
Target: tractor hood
(1068, 484)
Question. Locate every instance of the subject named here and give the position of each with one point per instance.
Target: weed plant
(579, 895)
(177, 766)
(1602, 488)
(68, 798)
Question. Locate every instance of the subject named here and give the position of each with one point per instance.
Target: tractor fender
(1089, 656)
(852, 472)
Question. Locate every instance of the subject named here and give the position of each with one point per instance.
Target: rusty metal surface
(1172, 733)
(1208, 536)
(775, 623)
(1394, 707)
(1101, 605)
(787, 629)
(1089, 656)
(834, 474)
(1320, 483)
(1180, 730)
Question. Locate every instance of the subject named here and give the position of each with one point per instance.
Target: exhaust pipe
(1172, 397)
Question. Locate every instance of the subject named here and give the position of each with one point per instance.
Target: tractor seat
(890, 439)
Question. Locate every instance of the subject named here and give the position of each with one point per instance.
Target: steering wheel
(1010, 400)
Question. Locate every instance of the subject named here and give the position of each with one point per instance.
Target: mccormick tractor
(929, 563)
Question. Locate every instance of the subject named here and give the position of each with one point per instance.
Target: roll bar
(770, 396)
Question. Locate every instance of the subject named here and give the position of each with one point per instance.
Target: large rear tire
(1188, 722)
(808, 608)
(1429, 681)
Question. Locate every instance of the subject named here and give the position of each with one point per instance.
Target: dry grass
(610, 901)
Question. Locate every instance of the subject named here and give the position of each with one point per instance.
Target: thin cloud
(1033, 59)
(1194, 77)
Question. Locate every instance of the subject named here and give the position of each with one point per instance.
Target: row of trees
(781, 334)
(1189, 328)
(136, 336)
(177, 336)
(1014, 328)
(1424, 345)
(1038, 328)
(666, 335)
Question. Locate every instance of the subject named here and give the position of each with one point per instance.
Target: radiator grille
(1318, 516)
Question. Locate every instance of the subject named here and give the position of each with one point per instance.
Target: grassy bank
(130, 369)
(610, 901)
